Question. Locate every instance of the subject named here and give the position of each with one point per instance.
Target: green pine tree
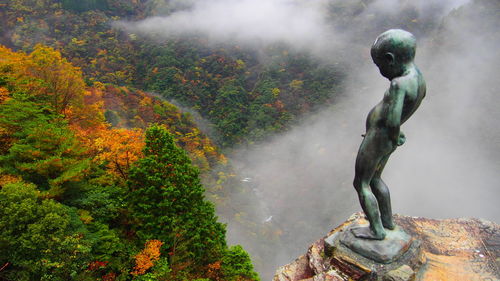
(167, 203)
(237, 266)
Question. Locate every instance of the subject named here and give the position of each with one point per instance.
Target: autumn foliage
(45, 74)
(147, 257)
(118, 149)
(76, 157)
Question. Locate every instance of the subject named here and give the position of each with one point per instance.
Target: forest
(116, 144)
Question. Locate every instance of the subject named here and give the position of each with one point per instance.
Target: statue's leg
(366, 164)
(381, 192)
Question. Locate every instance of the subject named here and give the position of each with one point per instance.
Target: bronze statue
(393, 52)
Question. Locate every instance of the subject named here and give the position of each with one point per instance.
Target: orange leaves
(5, 179)
(118, 149)
(45, 74)
(146, 101)
(88, 121)
(4, 94)
(146, 258)
(279, 106)
(214, 271)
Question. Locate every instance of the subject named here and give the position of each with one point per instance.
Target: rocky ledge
(451, 249)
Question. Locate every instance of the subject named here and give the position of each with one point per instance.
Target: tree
(46, 75)
(167, 203)
(118, 149)
(40, 238)
(17, 116)
(46, 154)
(230, 111)
(64, 85)
(236, 265)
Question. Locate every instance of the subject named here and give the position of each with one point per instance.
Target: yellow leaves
(147, 257)
(102, 52)
(240, 64)
(20, 19)
(99, 86)
(275, 92)
(118, 149)
(85, 216)
(296, 84)
(77, 42)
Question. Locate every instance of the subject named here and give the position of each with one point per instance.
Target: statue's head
(392, 51)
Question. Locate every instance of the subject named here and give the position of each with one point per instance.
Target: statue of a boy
(393, 52)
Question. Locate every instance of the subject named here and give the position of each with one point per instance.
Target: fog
(250, 22)
(448, 168)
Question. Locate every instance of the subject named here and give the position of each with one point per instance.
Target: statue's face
(387, 64)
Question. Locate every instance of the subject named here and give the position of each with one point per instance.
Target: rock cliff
(451, 249)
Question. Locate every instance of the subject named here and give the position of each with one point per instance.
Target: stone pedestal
(366, 259)
(454, 249)
(395, 244)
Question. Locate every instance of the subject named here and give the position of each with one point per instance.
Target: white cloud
(300, 23)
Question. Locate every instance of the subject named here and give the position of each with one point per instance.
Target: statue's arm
(394, 106)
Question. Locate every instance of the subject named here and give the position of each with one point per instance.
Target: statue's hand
(401, 139)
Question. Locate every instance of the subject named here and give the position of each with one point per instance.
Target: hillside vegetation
(82, 198)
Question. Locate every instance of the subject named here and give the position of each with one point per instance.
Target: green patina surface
(393, 52)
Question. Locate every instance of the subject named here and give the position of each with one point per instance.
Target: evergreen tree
(236, 265)
(167, 203)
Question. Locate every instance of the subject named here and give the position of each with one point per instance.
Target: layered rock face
(452, 249)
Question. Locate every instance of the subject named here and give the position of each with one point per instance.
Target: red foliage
(95, 265)
(111, 276)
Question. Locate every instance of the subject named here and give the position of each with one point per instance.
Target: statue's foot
(366, 233)
(389, 224)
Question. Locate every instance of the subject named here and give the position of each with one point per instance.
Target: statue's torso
(414, 89)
